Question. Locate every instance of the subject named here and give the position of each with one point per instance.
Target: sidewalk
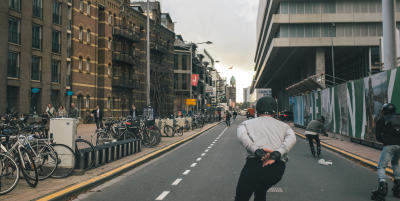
(48, 186)
(342, 145)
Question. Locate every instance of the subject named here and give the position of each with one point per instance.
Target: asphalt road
(208, 167)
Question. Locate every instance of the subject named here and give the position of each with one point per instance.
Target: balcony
(125, 83)
(159, 47)
(125, 33)
(124, 58)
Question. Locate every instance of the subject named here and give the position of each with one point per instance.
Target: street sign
(35, 90)
(191, 102)
(70, 93)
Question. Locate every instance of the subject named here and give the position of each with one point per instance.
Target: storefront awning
(307, 85)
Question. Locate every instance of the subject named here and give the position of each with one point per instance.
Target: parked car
(286, 116)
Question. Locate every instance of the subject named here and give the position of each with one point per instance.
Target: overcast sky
(229, 24)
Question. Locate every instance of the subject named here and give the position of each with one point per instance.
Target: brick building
(97, 56)
(32, 70)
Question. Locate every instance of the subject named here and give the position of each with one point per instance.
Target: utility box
(63, 131)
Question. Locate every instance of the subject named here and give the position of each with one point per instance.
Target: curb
(75, 189)
(354, 157)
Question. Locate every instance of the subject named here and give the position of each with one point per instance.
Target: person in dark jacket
(132, 113)
(314, 128)
(388, 132)
(228, 118)
(98, 117)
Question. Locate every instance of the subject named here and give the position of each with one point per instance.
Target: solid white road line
(186, 172)
(193, 165)
(162, 195)
(203, 154)
(176, 182)
(198, 159)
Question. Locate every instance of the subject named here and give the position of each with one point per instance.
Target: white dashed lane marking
(198, 159)
(162, 195)
(206, 150)
(203, 154)
(193, 165)
(176, 182)
(186, 172)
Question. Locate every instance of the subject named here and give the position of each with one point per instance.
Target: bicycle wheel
(169, 131)
(103, 137)
(9, 173)
(45, 160)
(28, 167)
(179, 132)
(66, 161)
(82, 147)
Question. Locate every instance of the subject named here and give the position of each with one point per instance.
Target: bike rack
(107, 153)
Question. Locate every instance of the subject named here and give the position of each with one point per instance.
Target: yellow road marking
(366, 161)
(114, 171)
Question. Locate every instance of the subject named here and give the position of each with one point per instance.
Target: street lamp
(332, 54)
(148, 54)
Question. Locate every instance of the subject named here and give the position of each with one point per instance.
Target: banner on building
(351, 108)
(195, 79)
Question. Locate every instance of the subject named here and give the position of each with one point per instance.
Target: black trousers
(310, 141)
(228, 122)
(257, 179)
(99, 123)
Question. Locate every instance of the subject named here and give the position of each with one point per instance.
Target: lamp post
(148, 54)
(332, 54)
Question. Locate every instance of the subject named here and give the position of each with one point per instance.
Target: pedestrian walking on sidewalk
(228, 118)
(267, 142)
(314, 128)
(98, 117)
(73, 112)
(388, 132)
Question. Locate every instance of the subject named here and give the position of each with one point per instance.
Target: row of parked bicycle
(26, 151)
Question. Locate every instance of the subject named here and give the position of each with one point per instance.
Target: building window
(109, 71)
(55, 71)
(88, 36)
(69, 74)
(15, 4)
(13, 65)
(81, 5)
(109, 18)
(80, 63)
(79, 103)
(14, 30)
(36, 68)
(109, 43)
(184, 62)
(88, 101)
(56, 12)
(176, 62)
(184, 82)
(80, 33)
(175, 81)
(36, 36)
(56, 42)
(37, 8)
(54, 98)
(88, 8)
(88, 65)
(12, 98)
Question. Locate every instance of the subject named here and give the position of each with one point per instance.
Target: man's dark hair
(388, 108)
(266, 105)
